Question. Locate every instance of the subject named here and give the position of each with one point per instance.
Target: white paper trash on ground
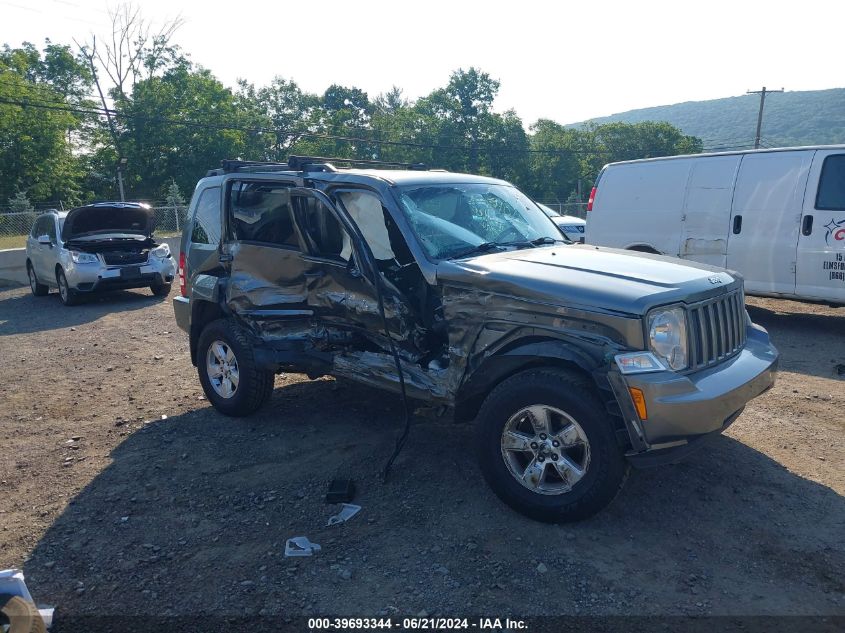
(300, 546)
(12, 582)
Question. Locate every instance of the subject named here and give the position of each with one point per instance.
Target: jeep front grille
(716, 329)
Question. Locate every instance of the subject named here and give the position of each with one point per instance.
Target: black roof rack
(230, 166)
(323, 163)
(303, 163)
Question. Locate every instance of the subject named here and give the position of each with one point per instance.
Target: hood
(109, 217)
(587, 276)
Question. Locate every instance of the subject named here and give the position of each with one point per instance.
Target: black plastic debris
(341, 491)
(840, 369)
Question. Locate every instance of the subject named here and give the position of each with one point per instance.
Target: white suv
(102, 246)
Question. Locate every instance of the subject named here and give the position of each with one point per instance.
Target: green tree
(19, 203)
(38, 125)
(176, 127)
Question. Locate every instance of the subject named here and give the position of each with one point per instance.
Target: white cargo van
(776, 216)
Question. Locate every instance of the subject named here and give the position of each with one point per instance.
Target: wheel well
(468, 404)
(202, 313)
(644, 248)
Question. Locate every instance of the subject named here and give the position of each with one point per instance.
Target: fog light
(639, 402)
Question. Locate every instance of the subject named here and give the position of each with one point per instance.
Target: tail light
(183, 273)
(592, 199)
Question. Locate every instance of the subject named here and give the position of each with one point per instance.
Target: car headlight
(667, 336)
(162, 251)
(83, 258)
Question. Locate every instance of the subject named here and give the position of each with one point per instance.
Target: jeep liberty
(574, 361)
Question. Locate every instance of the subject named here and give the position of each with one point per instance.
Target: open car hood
(109, 217)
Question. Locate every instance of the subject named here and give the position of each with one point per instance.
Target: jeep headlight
(667, 336)
(161, 251)
(83, 258)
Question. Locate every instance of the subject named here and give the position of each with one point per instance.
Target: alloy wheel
(545, 449)
(222, 368)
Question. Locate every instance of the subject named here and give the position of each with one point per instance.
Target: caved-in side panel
(483, 324)
(264, 277)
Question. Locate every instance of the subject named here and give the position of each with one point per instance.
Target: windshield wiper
(548, 240)
(484, 247)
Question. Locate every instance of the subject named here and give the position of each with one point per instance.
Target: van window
(831, 194)
(206, 228)
(261, 212)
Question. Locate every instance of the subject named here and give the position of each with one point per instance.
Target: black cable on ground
(400, 441)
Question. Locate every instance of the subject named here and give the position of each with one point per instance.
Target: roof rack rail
(229, 166)
(323, 163)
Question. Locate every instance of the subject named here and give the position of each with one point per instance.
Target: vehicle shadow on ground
(48, 313)
(798, 354)
(192, 514)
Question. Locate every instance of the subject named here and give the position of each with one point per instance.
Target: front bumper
(94, 277)
(683, 409)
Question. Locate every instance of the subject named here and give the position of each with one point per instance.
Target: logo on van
(835, 231)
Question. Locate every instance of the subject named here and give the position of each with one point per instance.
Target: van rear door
(638, 205)
(707, 209)
(821, 245)
(766, 218)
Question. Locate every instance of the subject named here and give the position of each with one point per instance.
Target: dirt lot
(163, 506)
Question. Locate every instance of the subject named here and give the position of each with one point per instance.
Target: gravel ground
(123, 492)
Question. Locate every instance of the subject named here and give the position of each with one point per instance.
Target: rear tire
(38, 289)
(161, 290)
(231, 380)
(547, 447)
(68, 295)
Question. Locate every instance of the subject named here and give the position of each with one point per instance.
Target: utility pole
(762, 94)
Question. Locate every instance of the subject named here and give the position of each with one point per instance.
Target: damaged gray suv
(574, 361)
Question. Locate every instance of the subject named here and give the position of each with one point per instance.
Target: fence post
(176, 215)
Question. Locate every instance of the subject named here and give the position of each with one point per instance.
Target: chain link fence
(14, 227)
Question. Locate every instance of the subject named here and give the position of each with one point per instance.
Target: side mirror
(45, 239)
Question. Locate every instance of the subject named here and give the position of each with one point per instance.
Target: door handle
(807, 225)
(737, 224)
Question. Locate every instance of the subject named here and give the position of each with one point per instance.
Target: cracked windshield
(458, 220)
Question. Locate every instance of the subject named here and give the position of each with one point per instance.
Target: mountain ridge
(805, 117)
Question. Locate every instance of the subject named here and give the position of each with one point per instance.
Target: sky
(563, 61)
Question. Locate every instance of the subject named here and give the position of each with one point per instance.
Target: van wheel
(227, 370)
(548, 448)
(645, 249)
(161, 289)
(38, 289)
(67, 294)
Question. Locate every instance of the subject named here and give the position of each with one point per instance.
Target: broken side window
(261, 212)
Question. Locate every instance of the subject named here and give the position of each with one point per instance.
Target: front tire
(547, 447)
(231, 380)
(67, 294)
(38, 289)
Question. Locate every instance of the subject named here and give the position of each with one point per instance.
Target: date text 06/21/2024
(417, 623)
